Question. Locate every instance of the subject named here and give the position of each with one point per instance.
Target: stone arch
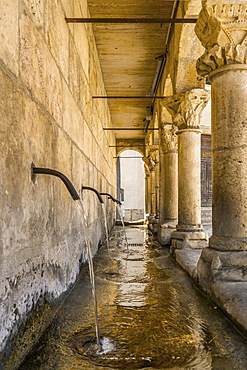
(188, 49)
(130, 144)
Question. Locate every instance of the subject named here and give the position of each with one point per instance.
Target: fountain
(111, 197)
(75, 196)
(121, 215)
(66, 181)
(104, 213)
(122, 221)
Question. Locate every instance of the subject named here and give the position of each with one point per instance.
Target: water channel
(151, 316)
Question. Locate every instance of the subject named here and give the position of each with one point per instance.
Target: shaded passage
(150, 316)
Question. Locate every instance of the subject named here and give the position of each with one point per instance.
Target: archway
(131, 185)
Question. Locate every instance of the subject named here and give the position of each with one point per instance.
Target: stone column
(222, 29)
(151, 162)
(153, 198)
(186, 109)
(147, 206)
(168, 183)
(157, 169)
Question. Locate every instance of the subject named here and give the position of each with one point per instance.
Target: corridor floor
(151, 316)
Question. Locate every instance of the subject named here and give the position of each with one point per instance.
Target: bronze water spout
(113, 199)
(94, 190)
(66, 181)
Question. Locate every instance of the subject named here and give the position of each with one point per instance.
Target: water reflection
(151, 317)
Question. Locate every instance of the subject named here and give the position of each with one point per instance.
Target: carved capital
(151, 160)
(186, 107)
(169, 139)
(222, 30)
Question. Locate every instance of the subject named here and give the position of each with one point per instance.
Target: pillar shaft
(168, 174)
(153, 194)
(170, 187)
(147, 205)
(189, 174)
(229, 143)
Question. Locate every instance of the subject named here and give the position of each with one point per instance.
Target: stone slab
(232, 298)
(188, 260)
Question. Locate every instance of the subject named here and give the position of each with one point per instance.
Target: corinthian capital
(186, 107)
(151, 160)
(222, 29)
(169, 139)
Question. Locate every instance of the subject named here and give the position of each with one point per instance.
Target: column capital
(186, 107)
(151, 160)
(222, 29)
(169, 139)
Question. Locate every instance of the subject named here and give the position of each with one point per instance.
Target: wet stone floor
(151, 316)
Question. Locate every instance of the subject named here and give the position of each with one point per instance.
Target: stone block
(226, 266)
(164, 233)
(35, 9)
(189, 240)
(81, 36)
(73, 122)
(9, 11)
(38, 69)
(188, 260)
(57, 35)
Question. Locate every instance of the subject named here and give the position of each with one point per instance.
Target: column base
(165, 231)
(153, 224)
(189, 240)
(224, 266)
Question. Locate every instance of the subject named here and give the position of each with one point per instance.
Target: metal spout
(66, 181)
(113, 199)
(94, 190)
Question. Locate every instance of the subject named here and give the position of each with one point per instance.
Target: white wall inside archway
(132, 181)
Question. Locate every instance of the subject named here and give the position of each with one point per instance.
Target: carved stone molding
(169, 139)
(151, 160)
(186, 107)
(222, 30)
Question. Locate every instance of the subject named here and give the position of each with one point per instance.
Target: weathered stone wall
(49, 71)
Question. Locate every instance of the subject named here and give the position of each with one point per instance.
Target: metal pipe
(94, 190)
(131, 20)
(113, 199)
(66, 181)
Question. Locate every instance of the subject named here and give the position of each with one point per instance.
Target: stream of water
(106, 227)
(91, 268)
(122, 221)
(151, 316)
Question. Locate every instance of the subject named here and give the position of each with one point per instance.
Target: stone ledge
(232, 299)
(229, 296)
(188, 260)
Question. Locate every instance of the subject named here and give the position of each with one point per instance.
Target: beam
(131, 20)
(126, 146)
(127, 97)
(127, 157)
(129, 128)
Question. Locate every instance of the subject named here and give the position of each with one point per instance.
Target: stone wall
(49, 71)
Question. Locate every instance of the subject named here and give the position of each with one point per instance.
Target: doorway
(131, 185)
